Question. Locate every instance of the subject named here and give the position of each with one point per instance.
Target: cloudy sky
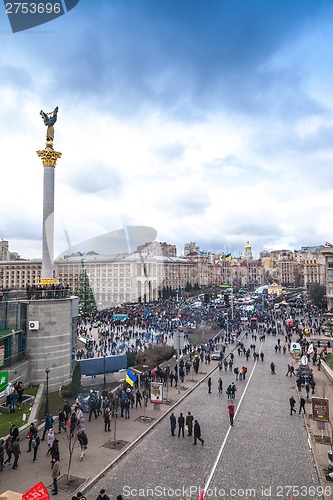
(209, 121)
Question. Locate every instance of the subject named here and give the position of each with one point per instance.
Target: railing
(36, 293)
(12, 360)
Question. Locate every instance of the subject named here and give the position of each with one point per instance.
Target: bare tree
(73, 426)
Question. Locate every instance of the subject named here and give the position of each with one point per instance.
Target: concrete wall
(20, 372)
(51, 345)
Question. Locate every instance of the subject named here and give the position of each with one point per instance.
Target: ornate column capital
(49, 156)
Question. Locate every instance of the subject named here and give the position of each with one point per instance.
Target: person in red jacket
(231, 410)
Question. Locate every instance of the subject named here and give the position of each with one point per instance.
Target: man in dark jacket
(181, 425)
(61, 421)
(173, 423)
(16, 452)
(67, 410)
(83, 440)
(14, 432)
(189, 423)
(292, 403)
(301, 405)
(93, 407)
(107, 420)
(55, 453)
(197, 433)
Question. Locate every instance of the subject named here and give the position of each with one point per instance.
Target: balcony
(36, 292)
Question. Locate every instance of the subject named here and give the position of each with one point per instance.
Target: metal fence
(36, 293)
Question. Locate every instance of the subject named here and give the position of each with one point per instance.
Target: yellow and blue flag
(130, 378)
(227, 257)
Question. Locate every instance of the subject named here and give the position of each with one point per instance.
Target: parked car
(217, 355)
(304, 372)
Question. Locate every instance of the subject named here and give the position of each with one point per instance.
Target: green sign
(225, 285)
(3, 382)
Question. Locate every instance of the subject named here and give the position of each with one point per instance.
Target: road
(264, 455)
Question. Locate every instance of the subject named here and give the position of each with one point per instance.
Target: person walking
(181, 425)
(83, 440)
(16, 452)
(307, 388)
(220, 385)
(272, 368)
(138, 397)
(209, 385)
(9, 449)
(189, 423)
(47, 425)
(61, 421)
(292, 403)
(313, 385)
(173, 423)
(55, 452)
(127, 408)
(299, 384)
(102, 495)
(35, 442)
(197, 433)
(50, 439)
(31, 431)
(67, 410)
(54, 475)
(93, 407)
(231, 411)
(301, 405)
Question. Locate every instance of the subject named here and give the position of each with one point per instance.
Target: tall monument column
(49, 159)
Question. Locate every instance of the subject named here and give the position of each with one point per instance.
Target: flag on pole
(227, 257)
(130, 378)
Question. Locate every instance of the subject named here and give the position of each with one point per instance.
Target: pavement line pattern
(228, 431)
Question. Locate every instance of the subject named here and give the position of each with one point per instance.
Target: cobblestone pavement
(266, 448)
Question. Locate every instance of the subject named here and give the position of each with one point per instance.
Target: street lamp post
(47, 371)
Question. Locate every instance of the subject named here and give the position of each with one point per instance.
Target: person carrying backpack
(35, 442)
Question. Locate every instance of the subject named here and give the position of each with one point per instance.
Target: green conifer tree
(87, 303)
